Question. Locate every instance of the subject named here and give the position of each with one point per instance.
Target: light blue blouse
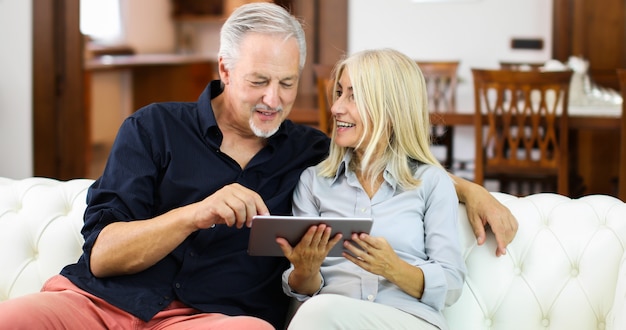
(420, 225)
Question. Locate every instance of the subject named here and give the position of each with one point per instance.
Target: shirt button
(370, 297)
(363, 210)
(177, 285)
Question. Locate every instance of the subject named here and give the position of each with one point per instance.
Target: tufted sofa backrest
(560, 271)
(564, 270)
(40, 223)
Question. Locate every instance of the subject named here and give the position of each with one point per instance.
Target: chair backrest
(621, 187)
(525, 114)
(323, 81)
(441, 83)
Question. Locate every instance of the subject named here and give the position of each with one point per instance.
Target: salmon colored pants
(62, 305)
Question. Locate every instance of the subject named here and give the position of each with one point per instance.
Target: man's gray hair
(258, 17)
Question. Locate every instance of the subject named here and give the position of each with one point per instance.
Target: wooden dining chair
(521, 66)
(621, 178)
(521, 128)
(323, 80)
(441, 84)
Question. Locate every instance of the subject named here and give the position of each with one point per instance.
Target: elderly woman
(409, 267)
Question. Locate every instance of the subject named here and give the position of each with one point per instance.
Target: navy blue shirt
(167, 155)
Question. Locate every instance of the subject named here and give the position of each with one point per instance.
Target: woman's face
(348, 121)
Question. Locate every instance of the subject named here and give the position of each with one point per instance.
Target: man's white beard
(261, 133)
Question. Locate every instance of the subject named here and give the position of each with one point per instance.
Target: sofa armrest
(40, 223)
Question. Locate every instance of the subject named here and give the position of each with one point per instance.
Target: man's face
(263, 83)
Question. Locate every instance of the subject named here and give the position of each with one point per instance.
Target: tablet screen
(265, 230)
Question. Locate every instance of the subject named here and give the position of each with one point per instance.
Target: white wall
(478, 33)
(149, 26)
(16, 134)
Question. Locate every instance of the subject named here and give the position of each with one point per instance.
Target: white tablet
(265, 230)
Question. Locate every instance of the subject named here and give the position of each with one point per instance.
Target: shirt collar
(343, 166)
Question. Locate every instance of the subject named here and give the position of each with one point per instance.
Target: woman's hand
(375, 255)
(307, 257)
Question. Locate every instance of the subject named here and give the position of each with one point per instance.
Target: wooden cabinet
(595, 30)
(161, 77)
(210, 10)
(197, 8)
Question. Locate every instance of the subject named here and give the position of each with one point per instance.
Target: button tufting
(514, 267)
(67, 209)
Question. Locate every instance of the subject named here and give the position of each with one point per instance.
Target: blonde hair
(391, 98)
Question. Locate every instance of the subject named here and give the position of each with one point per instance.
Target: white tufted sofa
(565, 269)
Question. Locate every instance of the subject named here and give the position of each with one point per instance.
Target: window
(101, 20)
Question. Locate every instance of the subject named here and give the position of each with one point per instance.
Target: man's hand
(128, 247)
(483, 209)
(233, 205)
